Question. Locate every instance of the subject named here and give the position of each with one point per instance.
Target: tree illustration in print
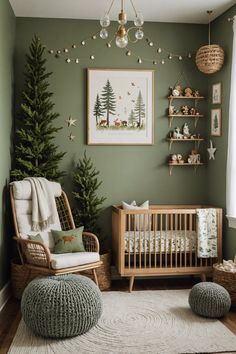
(132, 118)
(108, 101)
(98, 111)
(216, 124)
(139, 109)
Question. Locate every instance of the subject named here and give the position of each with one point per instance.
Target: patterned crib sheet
(165, 241)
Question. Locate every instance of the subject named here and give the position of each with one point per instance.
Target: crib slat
(155, 236)
(181, 235)
(160, 241)
(171, 236)
(140, 253)
(134, 226)
(166, 239)
(145, 248)
(129, 241)
(185, 232)
(190, 237)
(176, 228)
(149, 232)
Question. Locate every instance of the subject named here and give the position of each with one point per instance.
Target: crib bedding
(164, 241)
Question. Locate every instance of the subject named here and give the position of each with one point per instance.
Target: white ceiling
(187, 11)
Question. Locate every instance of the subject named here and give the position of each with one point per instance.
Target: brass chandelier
(122, 37)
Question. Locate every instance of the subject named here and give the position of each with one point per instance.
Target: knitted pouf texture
(61, 306)
(209, 300)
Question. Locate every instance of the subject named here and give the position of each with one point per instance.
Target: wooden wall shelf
(172, 165)
(196, 141)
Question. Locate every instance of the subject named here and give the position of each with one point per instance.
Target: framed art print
(216, 122)
(120, 107)
(216, 93)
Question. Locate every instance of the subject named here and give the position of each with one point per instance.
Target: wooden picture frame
(120, 107)
(216, 122)
(217, 93)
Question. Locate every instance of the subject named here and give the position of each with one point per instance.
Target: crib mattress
(165, 241)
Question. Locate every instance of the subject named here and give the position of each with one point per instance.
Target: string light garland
(166, 55)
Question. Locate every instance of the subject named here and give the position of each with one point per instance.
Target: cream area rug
(143, 322)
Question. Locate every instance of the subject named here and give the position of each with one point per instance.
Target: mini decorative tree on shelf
(35, 153)
(88, 207)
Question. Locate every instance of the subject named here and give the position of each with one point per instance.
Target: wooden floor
(10, 315)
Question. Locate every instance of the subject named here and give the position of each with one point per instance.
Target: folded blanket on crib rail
(206, 233)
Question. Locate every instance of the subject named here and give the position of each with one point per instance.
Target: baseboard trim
(5, 294)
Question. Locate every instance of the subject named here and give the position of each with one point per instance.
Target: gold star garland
(169, 55)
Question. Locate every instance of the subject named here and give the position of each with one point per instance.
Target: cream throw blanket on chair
(44, 210)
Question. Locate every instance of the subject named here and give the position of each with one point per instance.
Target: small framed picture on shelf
(216, 122)
(216, 93)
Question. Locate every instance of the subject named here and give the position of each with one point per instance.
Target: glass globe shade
(105, 21)
(138, 22)
(139, 34)
(103, 33)
(122, 18)
(121, 42)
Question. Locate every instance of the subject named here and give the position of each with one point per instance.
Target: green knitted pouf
(209, 300)
(61, 306)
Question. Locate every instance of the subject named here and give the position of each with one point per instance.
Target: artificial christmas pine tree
(35, 153)
(88, 204)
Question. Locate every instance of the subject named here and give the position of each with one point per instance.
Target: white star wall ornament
(71, 122)
(71, 137)
(211, 151)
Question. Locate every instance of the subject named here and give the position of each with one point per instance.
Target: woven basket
(227, 280)
(210, 58)
(103, 272)
(20, 277)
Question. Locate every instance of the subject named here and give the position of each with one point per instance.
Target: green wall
(222, 34)
(128, 172)
(7, 34)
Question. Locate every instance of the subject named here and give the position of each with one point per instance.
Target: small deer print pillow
(68, 241)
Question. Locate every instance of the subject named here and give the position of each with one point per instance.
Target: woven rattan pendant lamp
(210, 58)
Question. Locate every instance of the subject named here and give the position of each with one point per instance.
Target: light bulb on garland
(139, 61)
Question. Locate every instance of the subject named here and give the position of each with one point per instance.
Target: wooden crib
(160, 241)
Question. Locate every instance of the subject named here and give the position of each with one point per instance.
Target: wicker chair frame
(37, 257)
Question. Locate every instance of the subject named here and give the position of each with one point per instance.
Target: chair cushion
(66, 260)
(24, 222)
(68, 241)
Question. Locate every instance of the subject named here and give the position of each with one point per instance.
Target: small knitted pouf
(61, 306)
(209, 300)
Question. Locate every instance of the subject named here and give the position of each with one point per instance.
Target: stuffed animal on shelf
(177, 91)
(172, 110)
(184, 110)
(192, 111)
(177, 134)
(186, 132)
(180, 158)
(188, 92)
(196, 93)
(173, 158)
(194, 157)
